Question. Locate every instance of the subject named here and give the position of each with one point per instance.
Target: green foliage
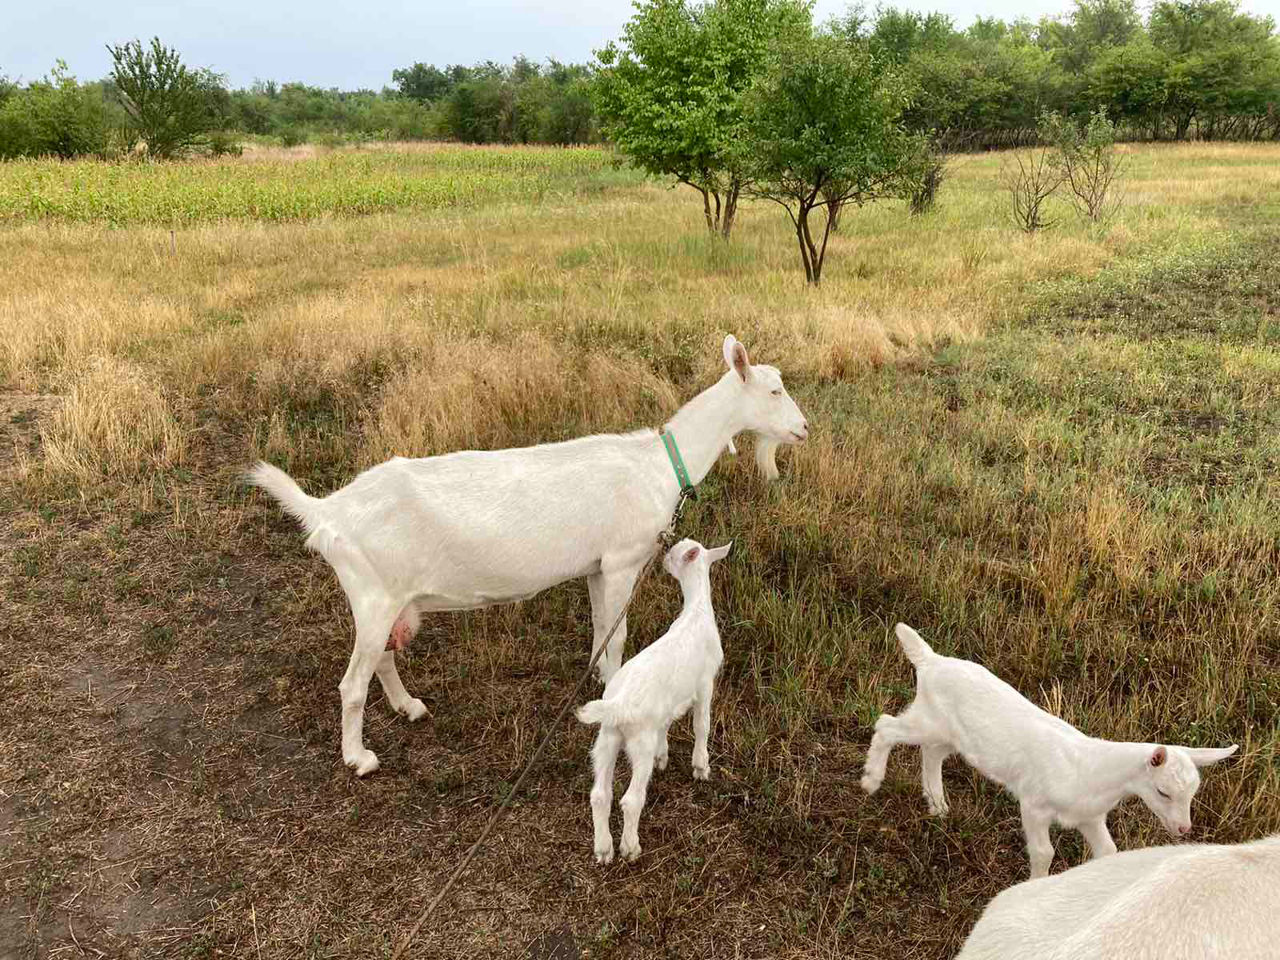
(1199, 68)
(670, 96)
(55, 116)
(170, 107)
(422, 82)
(821, 126)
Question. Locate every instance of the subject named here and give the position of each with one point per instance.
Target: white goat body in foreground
(1186, 902)
(653, 690)
(477, 528)
(1055, 771)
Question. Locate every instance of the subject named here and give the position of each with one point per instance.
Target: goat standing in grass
(1187, 902)
(473, 529)
(653, 690)
(1056, 772)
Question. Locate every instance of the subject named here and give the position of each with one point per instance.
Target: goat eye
(1162, 793)
(776, 393)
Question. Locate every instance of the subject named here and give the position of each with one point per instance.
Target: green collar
(677, 461)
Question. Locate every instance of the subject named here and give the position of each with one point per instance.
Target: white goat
(1187, 902)
(1055, 771)
(653, 690)
(477, 528)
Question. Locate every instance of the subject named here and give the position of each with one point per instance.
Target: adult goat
(477, 528)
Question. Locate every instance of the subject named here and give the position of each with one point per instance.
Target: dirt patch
(20, 417)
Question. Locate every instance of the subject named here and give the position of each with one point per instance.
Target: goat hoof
(415, 709)
(660, 763)
(869, 783)
(938, 809)
(630, 851)
(605, 856)
(364, 763)
(702, 772)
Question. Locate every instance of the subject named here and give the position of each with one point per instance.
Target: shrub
(924, 191)
(55, 116)
(224, 143)
(1087, 162)
(1036, 178)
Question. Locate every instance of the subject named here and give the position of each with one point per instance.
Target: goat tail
(597, 711)
(291, 496)
(913, 645)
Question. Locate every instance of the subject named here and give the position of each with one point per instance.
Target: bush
(292, 136)
(55, 116)
(222, 143)
(1036, 178)
(924, 191)
(1087, 162)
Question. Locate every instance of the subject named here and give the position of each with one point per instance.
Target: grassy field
(272, 184)
(1056, 455)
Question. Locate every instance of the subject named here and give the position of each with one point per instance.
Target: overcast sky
(338, 43)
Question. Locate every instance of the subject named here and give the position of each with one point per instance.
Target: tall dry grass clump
(115, 423)
(481, 394)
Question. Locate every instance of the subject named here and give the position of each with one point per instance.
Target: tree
(822, 126)
(170, 106)
(422, 82)
(670, 97)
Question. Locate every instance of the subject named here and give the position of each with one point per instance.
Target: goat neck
(1112, 768)
(704, 426)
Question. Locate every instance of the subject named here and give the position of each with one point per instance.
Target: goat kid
(477, 528)
(1186, 902)
(1056, 772)
(653, 690)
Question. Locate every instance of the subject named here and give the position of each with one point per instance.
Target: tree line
(1187, 69)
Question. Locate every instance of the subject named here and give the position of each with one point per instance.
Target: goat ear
(719, 553)
(690, 555)
(1203, 756)
(1158, 757)
(735, 355)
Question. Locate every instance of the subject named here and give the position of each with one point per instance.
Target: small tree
(170, 106)
(1087, 162)
(670, 98)
(822, 128)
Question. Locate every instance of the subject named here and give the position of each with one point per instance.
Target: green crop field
(298, 185)
(1055, 454)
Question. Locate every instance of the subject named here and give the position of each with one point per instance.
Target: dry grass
(1055, 455)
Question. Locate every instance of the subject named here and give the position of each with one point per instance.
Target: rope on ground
(665, 540)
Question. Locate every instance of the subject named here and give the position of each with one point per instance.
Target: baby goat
(653, 690)
(1187, 902)
(478, 528)
(1055, 771)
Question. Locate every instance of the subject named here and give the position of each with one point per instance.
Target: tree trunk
(730, 210)
(804, 250)
(833, 215)
(808, 249)
(822, 253)
(706, 208)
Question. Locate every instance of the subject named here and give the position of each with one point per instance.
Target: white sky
(353, 45)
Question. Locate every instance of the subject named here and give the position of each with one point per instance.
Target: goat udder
(400, 635)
